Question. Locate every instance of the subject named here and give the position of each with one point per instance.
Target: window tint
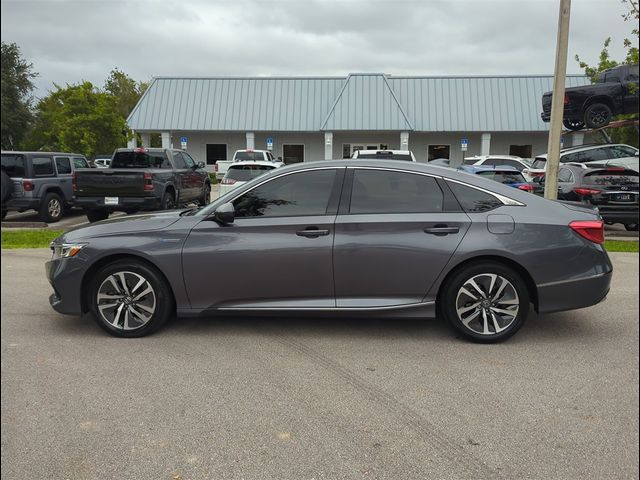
(512, 163)
(305, 193)
(248, 156)
(178, 161)
(188, 160)
(503, 177)
(633, 74)
(381, 191)
(473, 200)
(140, 160)
(612, 177)
(620, 151)
(565, 175)
(13, 165)
(80, 162)
(63, 165)
(42, 166)
(244, 173)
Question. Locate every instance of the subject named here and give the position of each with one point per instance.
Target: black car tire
(96, 215)
(452, 300)
(4, 214)
(631, 227)
(573, 124)
(168, 201)
(7, 187)
(597, 115)
(206, 195)
(52, 208)
(159, 299)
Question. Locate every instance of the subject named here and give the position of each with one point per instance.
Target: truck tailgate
(110, 182)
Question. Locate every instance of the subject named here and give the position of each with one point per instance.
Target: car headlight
(66, 250)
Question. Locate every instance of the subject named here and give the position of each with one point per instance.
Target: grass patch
(621, 245)
(39, 238)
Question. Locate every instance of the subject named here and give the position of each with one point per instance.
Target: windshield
(539, 163)
(140, 160)
(244, 173)
(241, 156)
(504, 177)
(612, 177)
(470, 161)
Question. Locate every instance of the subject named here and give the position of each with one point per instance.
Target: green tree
(125, 89)
(16, 101)
(78, 118)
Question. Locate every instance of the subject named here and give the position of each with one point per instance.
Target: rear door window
(13, 165)
(245, 173)
(565, 175)
(140, 160)
(63, 165)
(472, 199)
(503, 177)
(539, 163)
(178, 161)
(42, 167)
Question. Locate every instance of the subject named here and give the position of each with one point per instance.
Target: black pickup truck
(141, 179)
(614, 93)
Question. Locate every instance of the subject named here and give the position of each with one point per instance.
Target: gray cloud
(73, 40)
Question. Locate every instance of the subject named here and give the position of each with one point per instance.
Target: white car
(244, 171)
(102, 162)
(518, 163)
(406, 155)
(246, 155)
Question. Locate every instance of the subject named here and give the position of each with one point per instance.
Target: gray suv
(41, 181)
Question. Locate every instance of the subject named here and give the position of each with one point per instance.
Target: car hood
(124, 224)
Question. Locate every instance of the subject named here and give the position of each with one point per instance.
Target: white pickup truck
(222, 166)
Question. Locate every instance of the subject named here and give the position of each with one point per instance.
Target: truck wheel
(206, 195)
(51, 208)
(168, 201)
(597, 115)
(96, 215)
(4, 214)
(631, 227)
(573, 124)
(7, 187)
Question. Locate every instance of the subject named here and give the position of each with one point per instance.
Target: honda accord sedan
(345, 237)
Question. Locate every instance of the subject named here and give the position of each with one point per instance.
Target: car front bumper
(65, 276)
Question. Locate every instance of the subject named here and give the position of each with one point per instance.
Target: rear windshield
(612, 177)
(140, 160)
(470, 162)
(244, 173)
(248, 156)
(13, 165)
(503, 177)
(539, 163)
(386, 156)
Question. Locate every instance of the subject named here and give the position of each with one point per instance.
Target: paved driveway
(306, 398)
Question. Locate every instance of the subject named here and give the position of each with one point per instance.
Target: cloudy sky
(72, 40)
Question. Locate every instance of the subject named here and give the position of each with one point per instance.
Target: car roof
(487, 168)
(251, 150)
(499, 157)
(374, 152)
(244, 163)
(14, 152)
(587, 146)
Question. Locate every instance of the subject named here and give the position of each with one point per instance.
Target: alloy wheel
(487, 304)
(126, 300)
(54, 208)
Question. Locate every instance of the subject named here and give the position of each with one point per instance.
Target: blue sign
(269, 141)
(183, 139)
(464, 141)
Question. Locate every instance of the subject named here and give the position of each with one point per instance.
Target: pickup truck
(141, 179)
(222, 166)
(614, 93)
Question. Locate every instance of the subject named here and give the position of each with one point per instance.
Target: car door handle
(441, 230)
(312, 233)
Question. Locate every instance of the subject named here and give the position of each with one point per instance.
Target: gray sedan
(344, 237)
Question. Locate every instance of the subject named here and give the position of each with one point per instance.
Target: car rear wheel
(597, 115)
(631, 227)
(52, 208)
(96, 215)
(486, 302)
(7, 187)
(130, 299)
(206, 195)
(168, 201)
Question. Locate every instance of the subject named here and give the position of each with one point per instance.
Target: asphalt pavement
(303, 398)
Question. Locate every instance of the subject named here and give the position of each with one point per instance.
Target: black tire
(51, 208)
(206, 195)
(4, 214)
(597, 115)
(573, 124)
(7, 187)
(168, 201)
(631, 227)
(152, 309)
(96, 215)
(473, 325)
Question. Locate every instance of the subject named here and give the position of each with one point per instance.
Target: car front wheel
(597, 115)
(486, 302)
(130, 299)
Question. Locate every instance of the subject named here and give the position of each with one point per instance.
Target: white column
(578, 139)
(485, 144)
(146, 139)
(166, 139)
(132, 143)
(404, 140)
(328, 145)
(251, 140)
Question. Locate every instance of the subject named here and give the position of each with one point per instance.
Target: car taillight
(74, 182)
(526, 188)
(592, 230)
(27, 185)
(536, 174)
(585, 192)
(148, 181)
(227, 181)
(215, 167)
(140, 150)
(566, 99)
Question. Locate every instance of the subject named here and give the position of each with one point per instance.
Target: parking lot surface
(302, 398)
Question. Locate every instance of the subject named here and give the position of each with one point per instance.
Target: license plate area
(623, 197)
(111, 200)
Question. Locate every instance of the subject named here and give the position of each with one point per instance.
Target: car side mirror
(636, 154)
(225, 213)
(200, 165)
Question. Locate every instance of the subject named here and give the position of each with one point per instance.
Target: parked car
(141, 179)
(518, 163)
(506, 175)
(247, 155)
(613, 190)
(620, 153)
(440, 162)
(342, 237)
(614, 93)
(39, 181)
(242, 172)
(406, 155)
(102, 161)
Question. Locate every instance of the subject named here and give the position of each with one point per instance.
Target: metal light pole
(557, 102)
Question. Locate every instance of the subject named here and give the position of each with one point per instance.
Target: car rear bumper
(66, 282)
(24, 203)
(124, 203)
(574, 294)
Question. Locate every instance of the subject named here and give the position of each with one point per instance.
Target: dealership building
(317, 118)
